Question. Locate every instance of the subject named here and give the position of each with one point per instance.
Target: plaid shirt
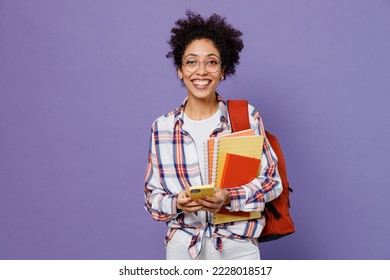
(173, 166)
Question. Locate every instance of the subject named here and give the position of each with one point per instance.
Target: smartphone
(200, 191)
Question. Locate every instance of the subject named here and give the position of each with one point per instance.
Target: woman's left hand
(214, 203)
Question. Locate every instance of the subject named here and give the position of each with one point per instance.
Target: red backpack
(276, 212)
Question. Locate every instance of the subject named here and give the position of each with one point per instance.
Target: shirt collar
(179, 113)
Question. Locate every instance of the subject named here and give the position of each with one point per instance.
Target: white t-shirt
(200, 131)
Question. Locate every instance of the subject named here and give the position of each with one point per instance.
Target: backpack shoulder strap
(238, 114)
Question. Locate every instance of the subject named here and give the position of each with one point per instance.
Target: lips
(201, 83)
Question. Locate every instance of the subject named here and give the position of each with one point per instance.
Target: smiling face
(201, 82)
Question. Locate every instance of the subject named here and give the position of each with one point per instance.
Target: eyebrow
(211, 54)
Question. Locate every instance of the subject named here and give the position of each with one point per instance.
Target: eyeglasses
(193, 64)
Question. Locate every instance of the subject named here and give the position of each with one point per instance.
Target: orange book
(237, 171)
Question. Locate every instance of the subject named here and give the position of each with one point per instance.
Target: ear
(179, 74)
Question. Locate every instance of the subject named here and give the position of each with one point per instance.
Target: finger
(210, 206)
(208, 202)
(191, 204)
(212, 199)
(181, 197)
(184, 200)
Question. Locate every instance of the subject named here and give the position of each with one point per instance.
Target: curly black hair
(226, 39)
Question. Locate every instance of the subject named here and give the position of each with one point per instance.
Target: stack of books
(231, 161)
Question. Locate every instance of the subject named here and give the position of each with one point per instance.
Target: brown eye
(190, 62)
(212, 62)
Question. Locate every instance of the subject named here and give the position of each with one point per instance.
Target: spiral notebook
(210, 154)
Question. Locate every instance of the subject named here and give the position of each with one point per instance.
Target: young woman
(205, 51)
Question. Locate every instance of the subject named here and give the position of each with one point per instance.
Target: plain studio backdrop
(82, 81)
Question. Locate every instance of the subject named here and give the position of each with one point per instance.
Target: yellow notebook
(228, 218)
(210, 154)
(249, 146)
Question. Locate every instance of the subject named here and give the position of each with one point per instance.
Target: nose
(202, 68)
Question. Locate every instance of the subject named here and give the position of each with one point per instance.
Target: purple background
(82, 81)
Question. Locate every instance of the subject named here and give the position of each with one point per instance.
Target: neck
(201, 109)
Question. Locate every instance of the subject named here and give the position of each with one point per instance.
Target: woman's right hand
(186, 204)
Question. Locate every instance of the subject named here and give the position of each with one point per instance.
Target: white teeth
(201, 82)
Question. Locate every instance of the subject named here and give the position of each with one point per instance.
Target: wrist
(227, 197)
